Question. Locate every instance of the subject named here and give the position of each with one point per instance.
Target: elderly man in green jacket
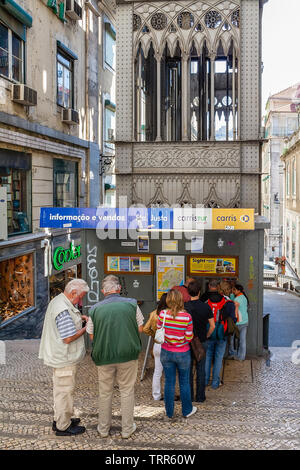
(62, 347)
(114, 325)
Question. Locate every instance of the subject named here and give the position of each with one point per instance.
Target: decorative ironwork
(199, 27)
(172, 28)
(136, 22)
(159, 21)
(213, 19)
(235, 18)
(226, 27)
(185, 20)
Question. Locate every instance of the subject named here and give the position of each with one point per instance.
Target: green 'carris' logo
(62, 256)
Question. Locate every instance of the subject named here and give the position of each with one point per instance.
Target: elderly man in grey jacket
(62, 347)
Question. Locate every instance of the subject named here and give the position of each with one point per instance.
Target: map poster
(169, 273)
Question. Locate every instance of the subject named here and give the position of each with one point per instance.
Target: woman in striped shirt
(175, 352)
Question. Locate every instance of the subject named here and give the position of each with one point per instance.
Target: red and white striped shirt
(178, 330)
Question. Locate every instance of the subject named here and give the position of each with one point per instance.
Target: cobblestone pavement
(256, 408)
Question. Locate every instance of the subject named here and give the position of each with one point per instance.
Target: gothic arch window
(171, 93)
(159, 21)
(213, 19)
(145, 95)
(185, 20)
(235, 18)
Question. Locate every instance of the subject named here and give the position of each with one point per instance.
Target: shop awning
(17, 12)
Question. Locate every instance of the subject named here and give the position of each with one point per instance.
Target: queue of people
(114, 326)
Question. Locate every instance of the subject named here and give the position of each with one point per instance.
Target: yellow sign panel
(213, 265)
(233, 219)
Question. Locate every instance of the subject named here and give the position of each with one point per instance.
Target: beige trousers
(63, 391)
(124, 374)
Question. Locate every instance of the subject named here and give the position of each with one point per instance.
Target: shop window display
(59, 280)
(16, 286)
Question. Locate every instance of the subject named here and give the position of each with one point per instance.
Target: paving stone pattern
(261, 411)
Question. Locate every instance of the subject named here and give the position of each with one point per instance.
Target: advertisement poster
(124, 263)
(169, 273)
(113, 263)
(213, 265)
(170, 246)
(143, 244)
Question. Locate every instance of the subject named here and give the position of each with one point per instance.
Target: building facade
(291, 219)
(281, 121)
(188, 126)
(56, 83)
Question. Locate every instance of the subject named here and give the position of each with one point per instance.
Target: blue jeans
(241, 352)
(215, 352)
(171, 362)
(200, 377)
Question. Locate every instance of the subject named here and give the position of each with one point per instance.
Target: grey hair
(110, 283)
(80, 285)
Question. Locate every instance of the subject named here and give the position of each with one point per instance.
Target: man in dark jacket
(203, 327)
(222, 308)
(114, 326)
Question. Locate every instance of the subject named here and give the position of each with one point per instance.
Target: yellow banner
(215, 265)
(233, 219)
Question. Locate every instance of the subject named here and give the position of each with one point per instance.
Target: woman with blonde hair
(150, 330)
(175, 352)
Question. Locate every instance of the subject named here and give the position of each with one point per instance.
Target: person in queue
(62, 347)
(114, 325)
(203, 326)
(222, 308)
(175, 353)
(150, 330)
(184, 289)
(241, 301)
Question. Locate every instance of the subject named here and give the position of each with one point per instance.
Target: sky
(280, 42)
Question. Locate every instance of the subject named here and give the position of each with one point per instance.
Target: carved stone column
(158, 97)
(212, 96)
(184, 105)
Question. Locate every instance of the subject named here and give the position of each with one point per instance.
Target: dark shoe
(177, 398)
(71, 431)
(200, 401)
(162, 398)
(74, 422)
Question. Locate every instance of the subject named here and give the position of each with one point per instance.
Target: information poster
(115, 263)
(213, 266)
(169, 273)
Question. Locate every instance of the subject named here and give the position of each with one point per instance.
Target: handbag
(197, 348)
(160, 333)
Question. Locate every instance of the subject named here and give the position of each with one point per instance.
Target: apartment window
(15, 176)
(11, 55)
(294, 176)
(110, 45)
(109, 123)
(287, 179)
(65, 79)
(65, 181)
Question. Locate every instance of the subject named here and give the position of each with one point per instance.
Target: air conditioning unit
(73, 10)
(22, 94)
(70, 116)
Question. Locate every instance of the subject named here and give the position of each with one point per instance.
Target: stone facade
(38, 134)
(281, 121)
(235, 24)
(291, 198)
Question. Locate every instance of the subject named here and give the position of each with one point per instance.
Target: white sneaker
(126, 436)
(194, 410)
